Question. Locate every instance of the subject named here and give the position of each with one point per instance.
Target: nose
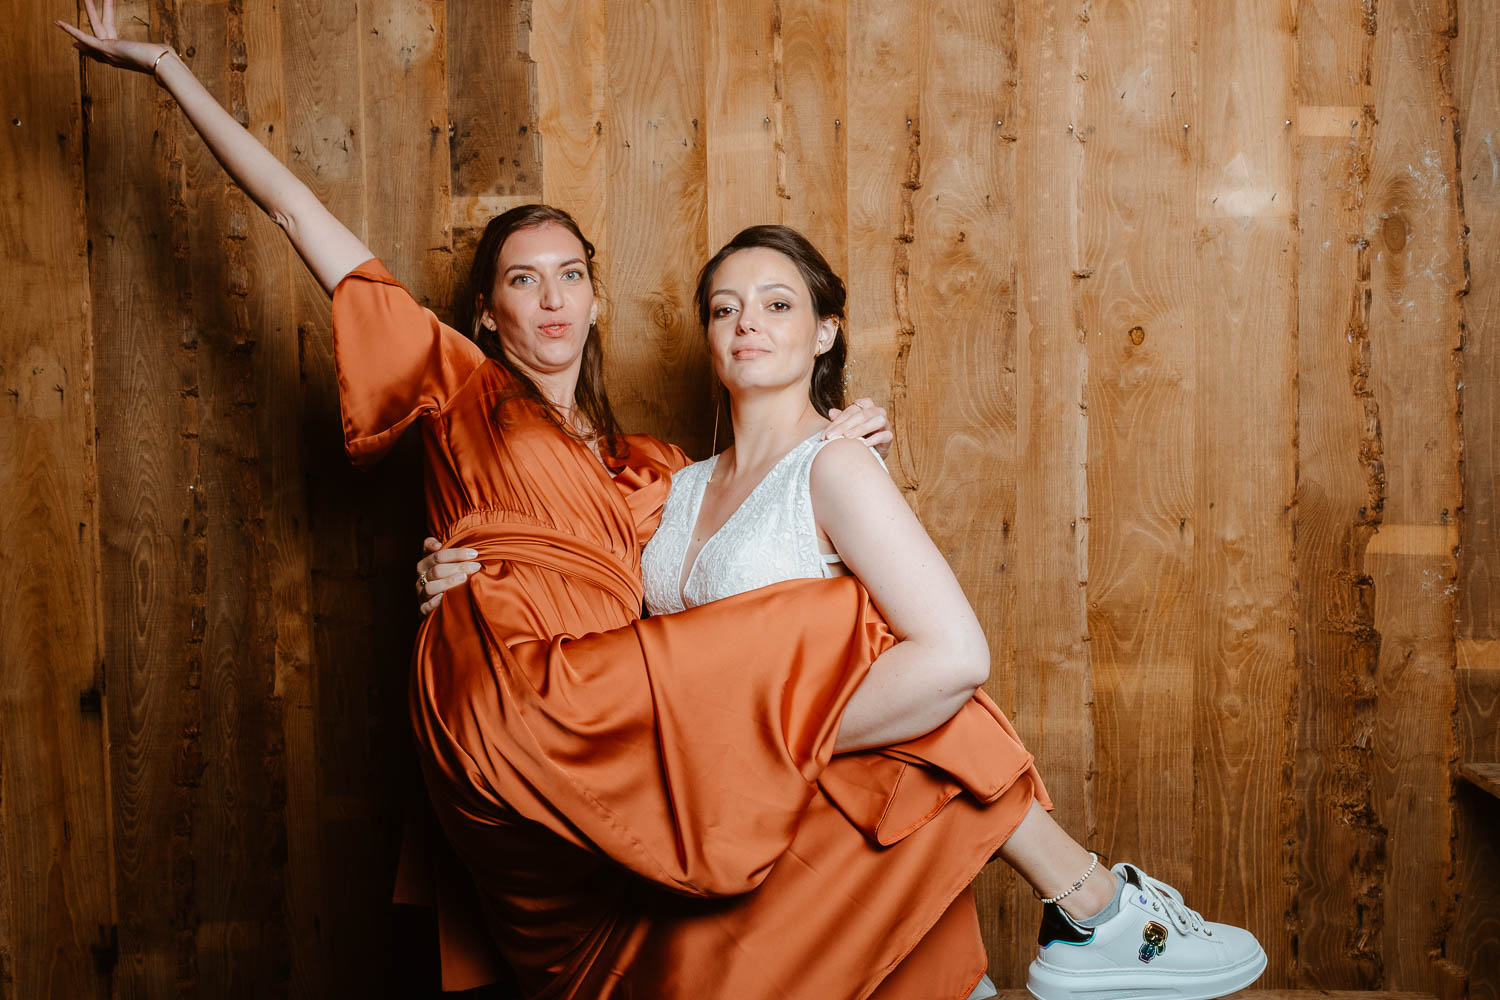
(552, 297)
(745, 323)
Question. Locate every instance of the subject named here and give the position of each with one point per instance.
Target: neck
(558, 388)
(768, 425)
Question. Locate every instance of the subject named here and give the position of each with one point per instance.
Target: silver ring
(422, 582)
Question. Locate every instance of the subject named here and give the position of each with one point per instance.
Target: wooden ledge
(1485, 776)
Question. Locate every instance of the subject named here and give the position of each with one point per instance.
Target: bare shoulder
(845, 470)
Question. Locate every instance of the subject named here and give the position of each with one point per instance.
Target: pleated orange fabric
(651, 808)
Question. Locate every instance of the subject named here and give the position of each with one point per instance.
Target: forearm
(325, 244)
(899, 699)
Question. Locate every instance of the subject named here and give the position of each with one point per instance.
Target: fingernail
(471, 553)
(472, 567)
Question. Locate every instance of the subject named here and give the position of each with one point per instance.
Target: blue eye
(518, 279)
(573, 274)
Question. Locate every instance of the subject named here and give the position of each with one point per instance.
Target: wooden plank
(270, 267)
(1474, 940)
(1052, 652)
(1337, 919)
(492, 86)
(810, 48)
(239, 941)
(1412, 226)
(742, 111)
(153, 564)
(960, 369)
(656, 194)
(1289, 995)
(1482, 776)
(568, 39)
(1244, 688)
(56, 881)
(1140, 318)
(883, 167)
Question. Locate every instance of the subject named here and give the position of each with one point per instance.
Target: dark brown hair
(828, 295)
(591, 399)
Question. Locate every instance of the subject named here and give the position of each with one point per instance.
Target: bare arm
(325, 244)
(942, 656)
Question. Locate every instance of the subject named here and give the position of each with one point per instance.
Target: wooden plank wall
(1185, 314)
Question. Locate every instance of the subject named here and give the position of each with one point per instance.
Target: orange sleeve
(394, 359)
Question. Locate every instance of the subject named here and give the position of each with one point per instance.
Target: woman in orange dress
(594, 785)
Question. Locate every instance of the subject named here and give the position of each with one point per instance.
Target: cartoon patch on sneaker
(1155, 941)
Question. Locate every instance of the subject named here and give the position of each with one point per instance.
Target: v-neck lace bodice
(771, 537)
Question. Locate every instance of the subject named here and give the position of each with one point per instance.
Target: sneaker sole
(1048, 983)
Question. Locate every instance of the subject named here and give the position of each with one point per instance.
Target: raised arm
(942, 656)
(330, 250)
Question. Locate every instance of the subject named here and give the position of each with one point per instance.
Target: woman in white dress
(782, 503)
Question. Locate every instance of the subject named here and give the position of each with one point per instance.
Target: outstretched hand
(106, 45)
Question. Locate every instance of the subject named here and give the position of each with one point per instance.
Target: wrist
(164, 63)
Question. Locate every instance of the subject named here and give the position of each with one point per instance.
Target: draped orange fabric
(651, 808)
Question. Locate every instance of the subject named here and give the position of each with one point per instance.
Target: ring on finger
(422, 582)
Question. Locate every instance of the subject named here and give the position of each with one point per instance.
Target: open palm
(106, 45)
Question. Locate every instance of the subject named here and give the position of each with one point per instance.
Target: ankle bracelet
(1093, 864)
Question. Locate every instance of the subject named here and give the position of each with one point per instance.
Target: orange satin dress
(651, 808)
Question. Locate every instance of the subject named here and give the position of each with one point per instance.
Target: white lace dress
(770, 538)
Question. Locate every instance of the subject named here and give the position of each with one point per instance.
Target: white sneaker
(984, 989)
(1155, 947)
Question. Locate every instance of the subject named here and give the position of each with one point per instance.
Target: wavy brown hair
(590, 398)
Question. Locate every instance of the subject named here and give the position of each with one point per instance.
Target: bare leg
(1044, 855)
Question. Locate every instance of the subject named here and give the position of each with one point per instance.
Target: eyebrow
(760, 288)
(574, 262)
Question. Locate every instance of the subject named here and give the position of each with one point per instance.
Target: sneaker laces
(1168, 900)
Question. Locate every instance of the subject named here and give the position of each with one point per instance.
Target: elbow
(971, 661)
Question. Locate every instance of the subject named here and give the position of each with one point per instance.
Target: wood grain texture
(1474, 940)
(1053, 681)
(1184, 406)
(658, 201)
(56, 900)
(1245, 436)
(1411, 224)
(1337, 916)
(960, 370)
(1138, 209)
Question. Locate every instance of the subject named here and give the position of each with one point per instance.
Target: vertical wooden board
(270, 266)
(148, 435)
(55, 869)
(1476, 92)
(811, 48)
(495, 155)
(240, 943)
(1053, 686)
(492, 86)
(1336, 921)
(657, 201)
(568, 39)
(361, 525)
(1411, 223)
(882, 155)
(1139, 318)
(1244, 686)
(1474, 940)
(742, 112)
(882, 152)
(960, 371)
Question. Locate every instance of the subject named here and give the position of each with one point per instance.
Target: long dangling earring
(713, 449)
